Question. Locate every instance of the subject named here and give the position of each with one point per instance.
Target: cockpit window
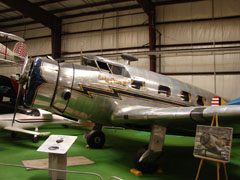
(89, 62)
(103, 66)
(118, 70)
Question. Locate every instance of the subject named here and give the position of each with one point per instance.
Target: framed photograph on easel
(213, 143)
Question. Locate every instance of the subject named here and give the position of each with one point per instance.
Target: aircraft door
(63, 87)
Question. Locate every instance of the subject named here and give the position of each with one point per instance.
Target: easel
(213, 123)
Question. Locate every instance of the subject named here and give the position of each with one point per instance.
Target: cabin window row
(184, 95)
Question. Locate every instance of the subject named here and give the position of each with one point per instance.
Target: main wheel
(35, 139)
(13, 134)
(145, 166)
(95, 139)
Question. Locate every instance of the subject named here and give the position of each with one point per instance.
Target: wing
(177, 116)
(20, 130)
(24, 121)
(8, 61)
(11, 36)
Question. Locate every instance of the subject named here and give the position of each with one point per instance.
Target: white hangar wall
(111, 33)
(182, 26)
(191, 25)
(92, 35)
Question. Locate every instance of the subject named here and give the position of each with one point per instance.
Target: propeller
(22, 80)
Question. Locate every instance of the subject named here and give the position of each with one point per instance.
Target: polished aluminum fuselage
(88, 93)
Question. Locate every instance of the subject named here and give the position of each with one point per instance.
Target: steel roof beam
(29, 9)
(101, 11)
(149, 9)
(147, 6)
(42, 3)
(81, 14)
(47, 19)
(97, 4)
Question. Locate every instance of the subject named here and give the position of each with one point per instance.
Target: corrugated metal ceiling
(9, 17)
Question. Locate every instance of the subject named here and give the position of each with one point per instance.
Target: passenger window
(185, 96)
(103, 66)
(200, 100)
(137, 84)
(164, 90)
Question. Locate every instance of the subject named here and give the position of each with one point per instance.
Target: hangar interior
(194, 41)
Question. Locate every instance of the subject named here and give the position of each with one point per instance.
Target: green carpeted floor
(115, 159)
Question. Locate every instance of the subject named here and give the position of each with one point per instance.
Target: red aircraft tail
(20, 49)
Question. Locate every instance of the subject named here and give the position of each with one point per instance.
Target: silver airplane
(114, 94)
(27, 118)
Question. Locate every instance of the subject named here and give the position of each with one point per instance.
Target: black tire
(95, 139)
(35, 139)
(13, 135)
(145, 166)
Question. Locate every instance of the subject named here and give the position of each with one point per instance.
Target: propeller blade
(23, 75)
(22, 79)
(20, 86)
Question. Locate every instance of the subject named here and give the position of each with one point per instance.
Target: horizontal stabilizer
(234, 102)
(20, 130)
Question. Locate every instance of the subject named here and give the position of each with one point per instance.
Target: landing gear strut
(96, 138)
(35, 138)
(147, 158)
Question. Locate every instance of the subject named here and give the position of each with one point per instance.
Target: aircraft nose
(42, 83)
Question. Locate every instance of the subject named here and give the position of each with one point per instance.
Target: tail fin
(20, 49)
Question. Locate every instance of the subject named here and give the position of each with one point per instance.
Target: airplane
(32, 119)
(25, 118)
(114, 94)
(19, 52)
(11, 93)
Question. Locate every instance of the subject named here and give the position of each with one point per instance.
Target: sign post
(57, 146)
